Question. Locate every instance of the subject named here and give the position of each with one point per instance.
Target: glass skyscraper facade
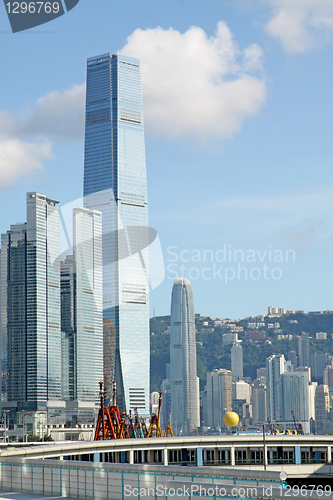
(185, 416)
(82, 311)
(89, 309)
(30, 305)
(115, 184)
(68, 327)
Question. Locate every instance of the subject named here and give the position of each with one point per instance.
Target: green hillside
(211, 353)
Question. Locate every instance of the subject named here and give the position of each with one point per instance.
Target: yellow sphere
(230, 419)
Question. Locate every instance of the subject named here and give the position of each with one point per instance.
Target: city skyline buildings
(184, 383)
(275, 368)
(87, 237)
(304, 350)
(51, 315)
(115, 183)
(237, 361)
(217, 398)
(30, 305)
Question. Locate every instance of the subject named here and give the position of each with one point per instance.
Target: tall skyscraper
(183, 360)
(30, 305)
(115, 184)
(81, 307)
(259, 408)
(237, 361)
(296, 395)
(318, 363)
(89, 311)
(274, 383)
(303, 350)
(68, 327)
(218, 397)
(292, 357)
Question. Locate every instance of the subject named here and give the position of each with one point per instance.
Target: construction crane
(144, 428)
(168, 431)
(131, 427)
(113, 425)
(104, 426)
(115, 415)
(138, 426)
(109, 423)
(154, 427)
(299, 427)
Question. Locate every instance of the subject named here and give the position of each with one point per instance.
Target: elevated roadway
(298, 456)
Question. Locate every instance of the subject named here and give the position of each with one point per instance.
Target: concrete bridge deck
(299, 456)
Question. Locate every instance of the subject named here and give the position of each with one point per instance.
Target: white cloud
(25, 139)
(19, 159)
(195, 86)
(300, 24)
(58, 114)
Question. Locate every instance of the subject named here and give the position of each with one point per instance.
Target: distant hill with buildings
(261, 336)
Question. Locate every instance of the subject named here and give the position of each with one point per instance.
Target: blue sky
(238, 119)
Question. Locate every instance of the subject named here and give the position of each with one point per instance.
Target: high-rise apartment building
(30, 306)
(183, 360)
(115, 184)
(237, 361)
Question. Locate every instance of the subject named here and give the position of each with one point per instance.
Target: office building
(109, 349)
(322, 407)
(82, 320)
(318, 363)
(166, 398)
(241, 390)
(303, 350)
(68, 327)
(218, 397)
(259, 409)
(30, 306)
(237, 361)
(87, 230)
(296, 395)
(115, 184)
(328, 375)
(184, 382)
(292, 357)
(274, 374)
